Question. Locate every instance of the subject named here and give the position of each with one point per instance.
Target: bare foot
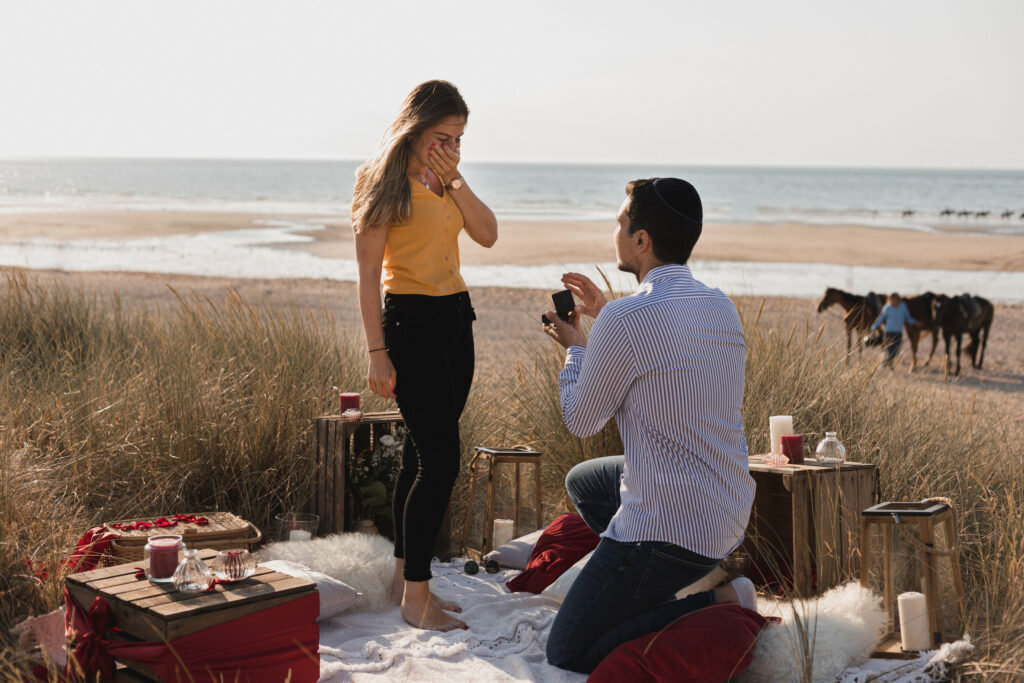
(446, 605)
(427, 615)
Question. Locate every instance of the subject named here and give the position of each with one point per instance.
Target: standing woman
(409, 206)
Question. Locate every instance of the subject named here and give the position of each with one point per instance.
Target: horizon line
(325, 159)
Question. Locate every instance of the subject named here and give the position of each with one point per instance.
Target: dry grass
(108, 413)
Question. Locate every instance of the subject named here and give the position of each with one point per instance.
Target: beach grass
(109, 413)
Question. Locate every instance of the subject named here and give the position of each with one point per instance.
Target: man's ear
(641, 241)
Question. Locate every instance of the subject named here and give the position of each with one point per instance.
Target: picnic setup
(192, 596)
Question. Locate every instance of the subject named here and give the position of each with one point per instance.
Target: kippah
(681, 198)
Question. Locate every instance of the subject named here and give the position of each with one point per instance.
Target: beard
(627, 268)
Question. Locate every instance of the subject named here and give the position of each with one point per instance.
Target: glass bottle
(192, 575)
(830, 451)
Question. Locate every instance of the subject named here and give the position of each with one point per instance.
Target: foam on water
(257, 253)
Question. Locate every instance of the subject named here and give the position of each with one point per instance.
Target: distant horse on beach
(961, 315)
(920, 308)
(860, 312)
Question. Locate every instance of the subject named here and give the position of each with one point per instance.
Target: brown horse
(920, 308)
(961, 315)
(860, 312)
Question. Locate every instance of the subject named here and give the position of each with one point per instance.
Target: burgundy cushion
(709, 645)
(562, 544)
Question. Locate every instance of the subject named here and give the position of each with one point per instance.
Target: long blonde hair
(382, 193)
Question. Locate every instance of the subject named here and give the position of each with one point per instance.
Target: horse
(860, 312)
(920, 308)
(961, 315)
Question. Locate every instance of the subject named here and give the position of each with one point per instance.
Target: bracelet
(379, 348)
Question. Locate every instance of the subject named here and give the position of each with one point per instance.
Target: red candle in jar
(348, 400)
(163, 556)
(793, 448)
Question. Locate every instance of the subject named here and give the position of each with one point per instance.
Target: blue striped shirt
(667, 362)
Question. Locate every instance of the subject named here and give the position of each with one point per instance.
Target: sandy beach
(506, 328)
(544, 242)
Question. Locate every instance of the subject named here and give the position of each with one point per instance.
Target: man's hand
(565, 333)
(586, 291)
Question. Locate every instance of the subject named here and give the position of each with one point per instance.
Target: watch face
(457, 184)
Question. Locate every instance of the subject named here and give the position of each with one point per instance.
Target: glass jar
(830, 451)
(192, 575)
(234, 565)
(162, 555)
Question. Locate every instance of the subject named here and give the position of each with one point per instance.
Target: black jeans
(892, 347)
(430, 343)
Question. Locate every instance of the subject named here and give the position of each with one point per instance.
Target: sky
(876, 83)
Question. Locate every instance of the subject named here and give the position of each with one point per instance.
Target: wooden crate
(807, 517)
(149, 611)
(335, 441)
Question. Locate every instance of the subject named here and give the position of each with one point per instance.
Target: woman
(409, 205)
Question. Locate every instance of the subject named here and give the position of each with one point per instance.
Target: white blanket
(505, 641)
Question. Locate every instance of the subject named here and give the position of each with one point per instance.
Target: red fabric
(709, 645)
(90, 549)
(270, 645)
(562, 544)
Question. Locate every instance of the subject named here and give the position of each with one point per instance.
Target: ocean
(296, 196)
(991, 201)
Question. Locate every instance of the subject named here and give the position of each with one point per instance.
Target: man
(893, 317)
(668, 363)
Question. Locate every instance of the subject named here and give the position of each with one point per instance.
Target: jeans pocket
(668, 570)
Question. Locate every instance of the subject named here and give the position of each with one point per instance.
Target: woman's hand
(381, 375)
(443, 160)
(586, 291)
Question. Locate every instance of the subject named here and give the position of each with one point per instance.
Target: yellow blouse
(421, 255)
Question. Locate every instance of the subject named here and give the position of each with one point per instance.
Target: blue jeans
(625, 590)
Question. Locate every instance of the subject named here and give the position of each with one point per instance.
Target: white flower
(387, 440)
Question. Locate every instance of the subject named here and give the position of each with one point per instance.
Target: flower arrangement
(372, 475)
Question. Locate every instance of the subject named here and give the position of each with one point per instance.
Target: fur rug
(366, 562)
(831, 633)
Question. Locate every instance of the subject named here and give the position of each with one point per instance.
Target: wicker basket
(224, 531)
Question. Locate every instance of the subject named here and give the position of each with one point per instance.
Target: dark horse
(860, 312)
(920, 308)
(961, 315)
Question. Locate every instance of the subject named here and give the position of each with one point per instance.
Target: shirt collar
(675, 270)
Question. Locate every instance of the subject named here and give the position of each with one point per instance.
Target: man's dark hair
(669, 209)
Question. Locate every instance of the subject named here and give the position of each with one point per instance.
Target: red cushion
(709, 645)
(562, 544)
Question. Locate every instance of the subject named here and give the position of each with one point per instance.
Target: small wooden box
(808, 517)
(335, 442)
(157, 612)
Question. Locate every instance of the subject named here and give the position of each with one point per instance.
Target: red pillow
(562, 544)
(710, 645)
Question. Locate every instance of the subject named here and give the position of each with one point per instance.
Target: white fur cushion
(335, 596)
(365, 562)
(563, 583)
(833, 632)
(516, 553)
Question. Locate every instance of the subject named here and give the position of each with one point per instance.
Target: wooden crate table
(808, 516)
(335, 442)
(156, 613)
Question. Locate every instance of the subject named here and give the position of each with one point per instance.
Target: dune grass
(107, 413)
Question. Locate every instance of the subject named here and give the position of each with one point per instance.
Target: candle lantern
(495, 530)
(919, 612)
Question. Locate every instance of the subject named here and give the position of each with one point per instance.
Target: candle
(163, 556)
(777, 426)
(793, 447)
(299, 535)
(503, 532)
(348, 400)
(914, 621)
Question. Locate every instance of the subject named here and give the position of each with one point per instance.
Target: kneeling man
(667, 362)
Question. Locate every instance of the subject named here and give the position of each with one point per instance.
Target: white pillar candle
(777, 426)
(299, 535)
(914, 621)
(503, 532)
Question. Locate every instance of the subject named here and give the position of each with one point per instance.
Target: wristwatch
(456, 183)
